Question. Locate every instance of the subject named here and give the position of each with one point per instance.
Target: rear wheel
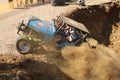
(24, 46)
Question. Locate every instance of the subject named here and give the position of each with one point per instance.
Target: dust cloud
(102, 62)
(84, 63)
(75, 63)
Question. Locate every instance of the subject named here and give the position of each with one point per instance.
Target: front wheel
(24, 45)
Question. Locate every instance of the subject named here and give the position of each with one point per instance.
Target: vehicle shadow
(30, 69)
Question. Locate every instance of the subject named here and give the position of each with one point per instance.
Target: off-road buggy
(63, 31)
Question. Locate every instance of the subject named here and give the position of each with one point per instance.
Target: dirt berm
(75, 63)
(100, 20)
(28, 68)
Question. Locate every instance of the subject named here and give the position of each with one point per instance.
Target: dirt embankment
(29, 68)
(75, 63)
(102, 63)
(99, 19)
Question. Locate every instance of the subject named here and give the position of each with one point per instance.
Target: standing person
(17, 2)
(81, 2)
(21, 3)
(38, 1)
(11, 4)
(26, 3)
(43, 1)
(31, 2)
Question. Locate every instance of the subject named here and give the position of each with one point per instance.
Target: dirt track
(80, 63)
(10, 21)
(8, 25)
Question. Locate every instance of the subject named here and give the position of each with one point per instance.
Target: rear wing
(74, 23)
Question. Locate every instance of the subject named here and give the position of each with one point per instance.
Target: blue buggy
(63, 31)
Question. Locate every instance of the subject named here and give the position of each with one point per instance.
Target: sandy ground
(8, 26)
(5, 6)
(73, 63)
(10, 20)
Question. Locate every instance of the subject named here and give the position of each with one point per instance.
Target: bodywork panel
(42, 26)
(74, 24)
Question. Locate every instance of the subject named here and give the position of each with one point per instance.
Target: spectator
(38, 1)
(21, 3)
(27, 3)
(81, 2)
(43, 1)
(11, 4)
(31, 2)
(17, 3)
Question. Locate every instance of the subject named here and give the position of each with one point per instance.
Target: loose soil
(75, 63)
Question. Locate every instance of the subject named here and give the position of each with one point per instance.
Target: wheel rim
(23, 45)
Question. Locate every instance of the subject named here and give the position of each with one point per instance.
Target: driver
(75, 37)
(66, 30)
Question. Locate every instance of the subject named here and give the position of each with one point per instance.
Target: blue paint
(45, 27)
